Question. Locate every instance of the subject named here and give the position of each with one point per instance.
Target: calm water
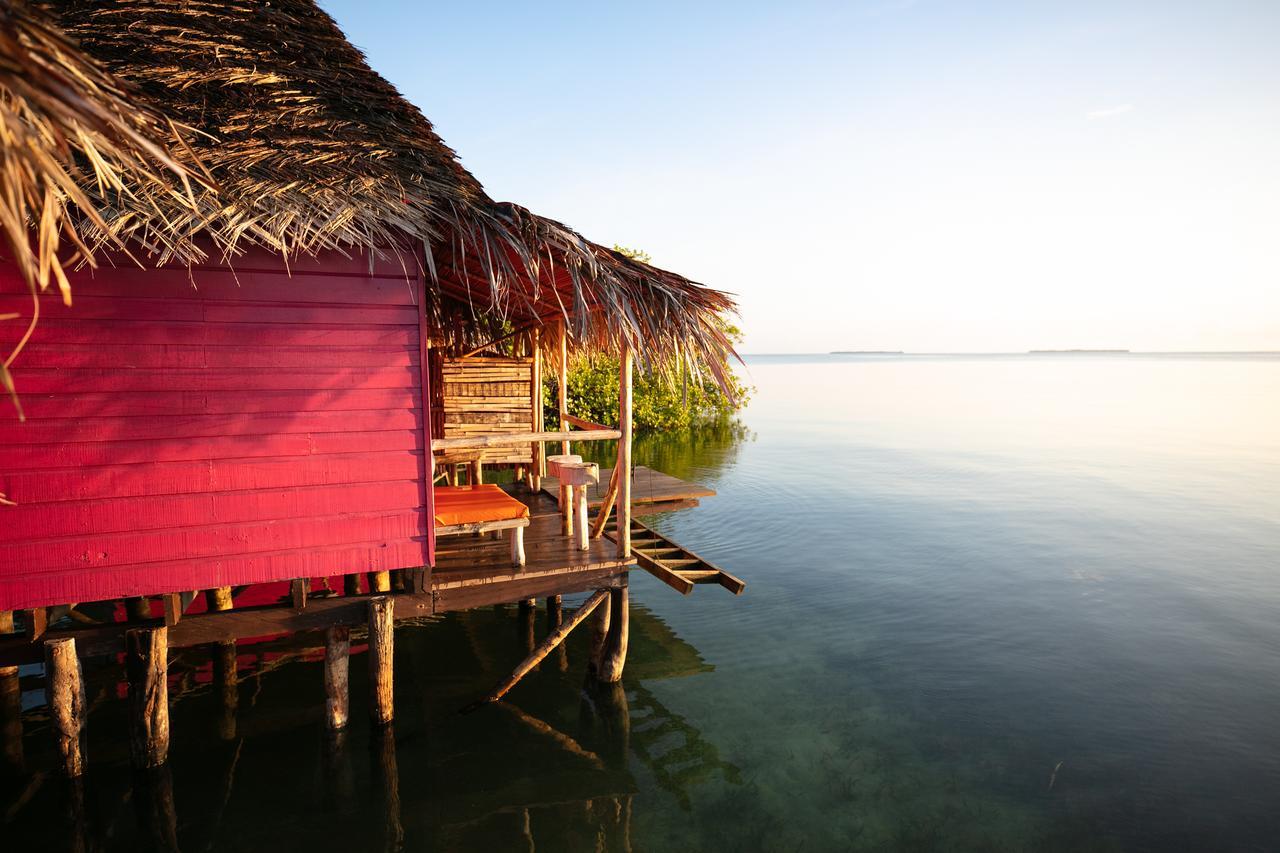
(994, 603)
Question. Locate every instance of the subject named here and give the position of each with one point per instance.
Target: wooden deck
(647, 487)
(475, 570)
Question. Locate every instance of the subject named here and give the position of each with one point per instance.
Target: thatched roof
(312, 150)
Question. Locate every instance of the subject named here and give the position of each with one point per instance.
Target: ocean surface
(994, 603)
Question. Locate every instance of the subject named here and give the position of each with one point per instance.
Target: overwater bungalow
(288, 346)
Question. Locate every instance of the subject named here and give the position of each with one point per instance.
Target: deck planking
(647, 487)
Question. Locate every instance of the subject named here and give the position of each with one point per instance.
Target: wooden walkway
(647, 487)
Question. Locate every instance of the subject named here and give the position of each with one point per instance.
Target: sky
(910, 175)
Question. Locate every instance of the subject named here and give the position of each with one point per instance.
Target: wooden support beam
(382, 629)
(379, 581)
(562, 408)
(544, 648)
(172, 608)
(298, 589)
(614, 657)
(606, 505)
(35, 623)
(64, 691)
(337, 657)
(351, 584)
(517, 438)
(625, 376)
(147, 669)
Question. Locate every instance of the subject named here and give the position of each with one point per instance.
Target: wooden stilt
(555, 617)
(614, 657)
(379, 582)
(172, 608)
(147, 668)
(218, 598)
(599, 638)
(64, 688)
(138, 608)
(226, 674)
(552, 640)
(351, 584)
(381, 653)
(337, 655)
(11, 752)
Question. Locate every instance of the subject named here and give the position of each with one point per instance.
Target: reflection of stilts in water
(677, 767)
(385, 770)
(336, 773)
(227, 680)
(77, 824)
(153, 802)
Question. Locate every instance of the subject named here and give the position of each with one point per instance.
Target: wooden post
(379, 581)
(218, 598)
(599, 637)
(337, 656)
(226, 674)
(147, 668)
(172, 608)
(138, 608)
(555, 617)
(614, 656)
(351, 584)
(562, 401)
(382, 629)
(10, 708)
(538, 449)
(64, 688)
(623, 467)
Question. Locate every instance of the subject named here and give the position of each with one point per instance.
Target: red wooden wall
(256, 426)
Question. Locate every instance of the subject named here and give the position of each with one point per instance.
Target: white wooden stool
(566, 492)
(579, 476)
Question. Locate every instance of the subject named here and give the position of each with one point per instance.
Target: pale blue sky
(888, 174)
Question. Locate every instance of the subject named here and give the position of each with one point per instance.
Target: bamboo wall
(485, 396)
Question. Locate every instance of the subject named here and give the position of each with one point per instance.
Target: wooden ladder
(674, 565)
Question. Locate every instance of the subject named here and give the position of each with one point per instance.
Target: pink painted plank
(106, 333)
(128, 428)
(219, 540)
(178, 478)
(103, 308)
(115, 515)
(175, 356)
(37, 380)
(137, 403)
(41, 456)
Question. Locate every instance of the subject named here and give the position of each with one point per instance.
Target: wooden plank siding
(487, 396)
(214, 427)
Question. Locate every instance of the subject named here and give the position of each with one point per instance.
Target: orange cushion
(474, 504)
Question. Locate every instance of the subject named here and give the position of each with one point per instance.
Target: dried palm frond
(312, 151)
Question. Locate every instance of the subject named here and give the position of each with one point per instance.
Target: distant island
(1080, 351)
(867, 352)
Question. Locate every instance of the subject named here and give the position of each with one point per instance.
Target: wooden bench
(481, 509)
